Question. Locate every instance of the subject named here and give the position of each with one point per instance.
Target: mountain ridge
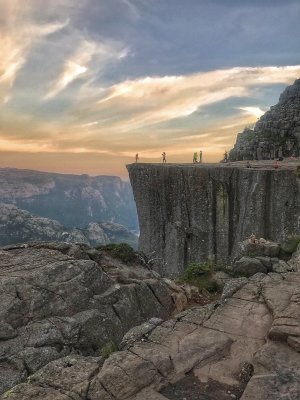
(73, 200)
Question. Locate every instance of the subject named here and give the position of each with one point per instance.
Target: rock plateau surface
(58, 299)
(244, 346)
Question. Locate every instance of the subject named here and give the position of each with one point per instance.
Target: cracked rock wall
(188, 213)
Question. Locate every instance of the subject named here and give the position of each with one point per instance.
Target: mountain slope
(20, 226)
(276, 134)
(73, 200)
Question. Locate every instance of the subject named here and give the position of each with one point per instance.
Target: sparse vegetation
(120, 251)
(291, 243)
(108, 349)
(200, 275)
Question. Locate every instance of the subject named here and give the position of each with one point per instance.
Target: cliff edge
(190, 212)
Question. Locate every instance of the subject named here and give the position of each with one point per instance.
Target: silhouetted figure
(225, 156)
(137, 157)
(200, 156)
(248, 165)
(164, 157)
(195, 158)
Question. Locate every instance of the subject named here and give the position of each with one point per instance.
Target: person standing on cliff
(195, 158)
(137, 157)
(200, 156)
(225, 156)
(164, 157)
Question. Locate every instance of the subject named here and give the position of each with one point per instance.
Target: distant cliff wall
(73, 200)
(188, 213)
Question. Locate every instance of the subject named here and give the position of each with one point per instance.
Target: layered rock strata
(58, 299)
(276, 134)
(188, 213)
(245, 346)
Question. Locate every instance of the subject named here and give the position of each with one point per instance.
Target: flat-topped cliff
(190, 212)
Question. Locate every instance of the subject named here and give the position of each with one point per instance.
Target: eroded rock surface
(58, 299)
(245, 346)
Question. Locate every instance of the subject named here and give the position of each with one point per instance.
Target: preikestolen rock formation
(276, 134)
(190, 212)
(58, 299)
(244, 346)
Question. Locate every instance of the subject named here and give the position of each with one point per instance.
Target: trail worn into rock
(246, 346)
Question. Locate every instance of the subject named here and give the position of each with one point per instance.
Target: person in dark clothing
(225, 156)
(200, 156)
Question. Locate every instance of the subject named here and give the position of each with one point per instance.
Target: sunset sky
(85, 84)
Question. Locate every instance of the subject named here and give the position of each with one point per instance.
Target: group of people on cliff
(195, 157)
(164, 157)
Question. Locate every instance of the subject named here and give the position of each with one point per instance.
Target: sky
(85, 85)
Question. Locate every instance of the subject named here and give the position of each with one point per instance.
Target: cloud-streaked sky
(84, 85)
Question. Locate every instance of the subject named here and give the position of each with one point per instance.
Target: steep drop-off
(188, 213)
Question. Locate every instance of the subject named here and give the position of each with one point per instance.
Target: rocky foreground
(244, 346)
(58, 299)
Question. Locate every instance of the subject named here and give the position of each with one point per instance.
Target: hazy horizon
(86, 85)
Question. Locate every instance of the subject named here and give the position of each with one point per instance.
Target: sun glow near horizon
(70, 88)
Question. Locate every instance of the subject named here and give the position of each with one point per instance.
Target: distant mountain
(72, 200)
(20, 226)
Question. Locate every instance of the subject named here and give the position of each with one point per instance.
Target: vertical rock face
(276, 134)
(188, 213)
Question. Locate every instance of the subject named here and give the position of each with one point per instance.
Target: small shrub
(291, 243)
(196, 269)
(120, 251)
(108, 349)
(200, 275)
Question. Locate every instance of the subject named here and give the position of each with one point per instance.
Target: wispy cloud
(73, 68)
(132, 8)
(80, 64)
(17, 35)
(256, 111)
(144, 102)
